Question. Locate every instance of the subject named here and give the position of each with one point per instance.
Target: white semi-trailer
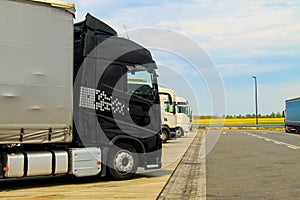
(183, 116)
(65, 107)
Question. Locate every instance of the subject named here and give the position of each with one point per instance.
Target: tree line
(271, 115)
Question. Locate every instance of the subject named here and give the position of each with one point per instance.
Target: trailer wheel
(290, 129)
(123, 162)
(164, 136)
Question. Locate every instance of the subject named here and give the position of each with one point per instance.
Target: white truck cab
(183, 116)
(168, 113)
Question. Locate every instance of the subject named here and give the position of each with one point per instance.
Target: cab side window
(168, 107)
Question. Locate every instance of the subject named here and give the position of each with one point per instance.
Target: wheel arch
(137, 144)
(166, 128)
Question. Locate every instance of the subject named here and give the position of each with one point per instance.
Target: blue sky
(242, 38)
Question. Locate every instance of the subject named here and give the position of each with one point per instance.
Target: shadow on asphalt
(46, 181)
(156, 173)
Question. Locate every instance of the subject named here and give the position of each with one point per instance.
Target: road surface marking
(291, 146)
(283, 133)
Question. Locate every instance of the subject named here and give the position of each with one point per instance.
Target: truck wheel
(290, 129)
(297, 131)
(164, 136)
(123, 162)
(180, 132)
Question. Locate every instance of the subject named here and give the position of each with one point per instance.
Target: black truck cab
(111, 109)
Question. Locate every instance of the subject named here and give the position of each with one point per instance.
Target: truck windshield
(183, 109)
(140, 82)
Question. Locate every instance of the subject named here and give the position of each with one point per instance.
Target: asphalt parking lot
(145, 185)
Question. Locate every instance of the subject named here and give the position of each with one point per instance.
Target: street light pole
(256, 108)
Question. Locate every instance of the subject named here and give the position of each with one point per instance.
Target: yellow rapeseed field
(240, 121)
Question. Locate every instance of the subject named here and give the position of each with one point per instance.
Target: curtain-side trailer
(64, 98)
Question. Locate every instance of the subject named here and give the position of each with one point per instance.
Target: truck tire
(297, 131)
(164, 136)
(122, 162)
(181, 132)
(287, 129)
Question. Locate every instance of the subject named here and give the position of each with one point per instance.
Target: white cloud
(241, 19)
(237, 34)
(243, 25)
(247, 69)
